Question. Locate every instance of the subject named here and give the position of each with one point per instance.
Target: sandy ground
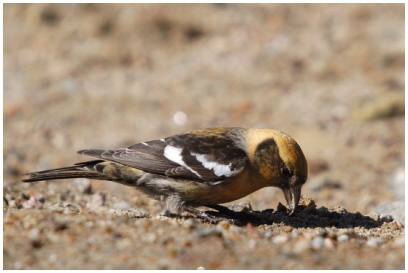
(108, 76)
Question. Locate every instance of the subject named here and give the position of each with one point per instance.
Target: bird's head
(281, 162)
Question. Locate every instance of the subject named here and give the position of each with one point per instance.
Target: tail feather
(79, 170)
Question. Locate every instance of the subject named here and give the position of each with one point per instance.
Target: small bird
(204, 167)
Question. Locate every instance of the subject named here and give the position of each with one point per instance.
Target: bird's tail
(89, 169)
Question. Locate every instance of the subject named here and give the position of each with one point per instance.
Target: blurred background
(108, 76)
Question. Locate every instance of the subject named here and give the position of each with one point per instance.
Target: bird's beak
(292, 196)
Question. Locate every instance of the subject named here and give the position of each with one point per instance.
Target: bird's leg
(208, 217)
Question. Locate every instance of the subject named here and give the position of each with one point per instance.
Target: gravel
(80, 76)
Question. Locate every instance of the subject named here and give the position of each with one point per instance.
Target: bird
(200, 168)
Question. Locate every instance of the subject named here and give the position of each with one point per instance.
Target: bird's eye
(286, 171)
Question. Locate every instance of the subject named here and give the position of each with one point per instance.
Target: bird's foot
(209, 216)
(222, 214)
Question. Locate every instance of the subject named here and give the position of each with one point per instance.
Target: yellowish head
(279, 160)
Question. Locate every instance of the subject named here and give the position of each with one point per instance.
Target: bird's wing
(198, 157)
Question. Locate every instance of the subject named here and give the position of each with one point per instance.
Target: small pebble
(12, 204)
(343, 238)
(34, 237)
(338, 209)
(32, 203)
(223, 224)
(69, 208)
(33, 234)
(200, 268)
(375, 216)
(385, 218)
(344, 231)
(294, 233)
(129, 213)
(396, 209)
(279, 239)
(374, 242)
(241, 207)
(268, 234)
(65, 207)
(288, 229)
(179, 118)
(317, 243)
(329, 243)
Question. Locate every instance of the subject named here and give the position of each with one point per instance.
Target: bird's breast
(223, 191)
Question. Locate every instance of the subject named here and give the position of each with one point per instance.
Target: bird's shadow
(303, 217)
